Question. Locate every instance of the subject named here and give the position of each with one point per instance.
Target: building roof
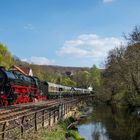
(23, 69)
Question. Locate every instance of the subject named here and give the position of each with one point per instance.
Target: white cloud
(107, 1)
(38, 60)
(24, 59)
(89, 45)
(29, 27)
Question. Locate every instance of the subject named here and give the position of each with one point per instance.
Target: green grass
(54, 133)
(75, 135)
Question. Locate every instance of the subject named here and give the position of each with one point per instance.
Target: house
(23, 69)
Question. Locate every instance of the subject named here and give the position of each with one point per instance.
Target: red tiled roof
(25, 70)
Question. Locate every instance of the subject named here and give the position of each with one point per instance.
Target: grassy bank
(57, 132)
(53, 133)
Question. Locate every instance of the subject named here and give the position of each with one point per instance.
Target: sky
(66, 32)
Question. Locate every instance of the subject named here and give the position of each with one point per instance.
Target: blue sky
(66, 32)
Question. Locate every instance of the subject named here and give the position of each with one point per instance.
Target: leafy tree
(44, 73)
(6, 58)
(95, 78)
(82, 78)
(68, 82)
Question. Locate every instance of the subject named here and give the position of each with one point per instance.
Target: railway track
(22, 109)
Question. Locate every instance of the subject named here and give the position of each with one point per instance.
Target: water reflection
(93, 131)
(109, 123)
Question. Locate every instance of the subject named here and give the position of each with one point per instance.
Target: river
(110, 123)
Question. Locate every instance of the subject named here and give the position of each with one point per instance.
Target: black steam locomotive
(17, 88)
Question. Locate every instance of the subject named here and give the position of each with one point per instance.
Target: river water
(110, 123)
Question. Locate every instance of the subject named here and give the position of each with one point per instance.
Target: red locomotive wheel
(26, 99)
(41, 98)
(4, 101)
(22, 99)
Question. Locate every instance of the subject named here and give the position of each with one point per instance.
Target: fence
(15, 128)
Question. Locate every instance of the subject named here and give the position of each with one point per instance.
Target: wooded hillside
(70, 76)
